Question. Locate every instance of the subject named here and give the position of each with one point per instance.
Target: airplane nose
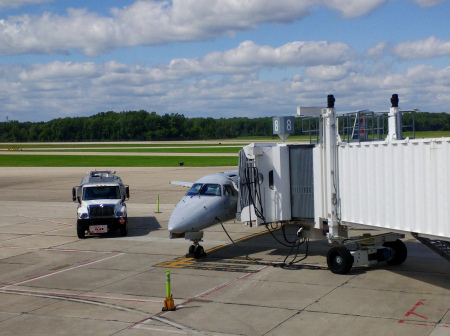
(176, 222)
(182, 219)
(180, 224)
(188, 215)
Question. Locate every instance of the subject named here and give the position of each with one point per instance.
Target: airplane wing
(184, 184)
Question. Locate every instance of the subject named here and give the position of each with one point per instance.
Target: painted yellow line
(239, 240)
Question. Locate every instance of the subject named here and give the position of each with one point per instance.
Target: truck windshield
(106, 192)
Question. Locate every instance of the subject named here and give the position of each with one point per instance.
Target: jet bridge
(390, 184)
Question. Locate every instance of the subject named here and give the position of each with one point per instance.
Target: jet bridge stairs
(441, 247)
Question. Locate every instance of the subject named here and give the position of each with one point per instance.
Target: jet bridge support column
(330, 173)
(395, 120)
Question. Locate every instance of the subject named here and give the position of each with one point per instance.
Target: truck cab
(101, 208)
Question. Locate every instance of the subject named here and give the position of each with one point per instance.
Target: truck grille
(101, 211)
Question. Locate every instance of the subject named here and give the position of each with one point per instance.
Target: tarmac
(52, 283)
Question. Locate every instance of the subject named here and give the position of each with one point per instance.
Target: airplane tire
(339, 260)
(400, 252)
(191, 250)
(199, 252)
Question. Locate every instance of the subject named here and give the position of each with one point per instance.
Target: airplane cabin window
(194, 190)
(211, 190)
(228, 190)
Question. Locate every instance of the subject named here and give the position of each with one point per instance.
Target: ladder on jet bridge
(441, 247)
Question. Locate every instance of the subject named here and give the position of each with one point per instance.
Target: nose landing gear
(196, 251)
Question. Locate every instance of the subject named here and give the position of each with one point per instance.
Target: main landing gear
(196, 251)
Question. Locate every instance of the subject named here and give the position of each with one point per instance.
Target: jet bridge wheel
(400, 252)
(339, 260)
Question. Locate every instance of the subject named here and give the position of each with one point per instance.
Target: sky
(221, 58)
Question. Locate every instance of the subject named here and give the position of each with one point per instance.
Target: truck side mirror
(74, 194)
(127, 191)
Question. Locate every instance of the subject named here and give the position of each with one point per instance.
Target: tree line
(144, 126)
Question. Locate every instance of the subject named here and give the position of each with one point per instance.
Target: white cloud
(249, 56)
(19, 3)
(198, 87)
(428, 48)
(332, 72)
(353, 8)
(142, 23)
(378, 51)
(156, 23)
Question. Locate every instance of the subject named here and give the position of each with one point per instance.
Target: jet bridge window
(228, 190)
(211, 190)
(194, 190)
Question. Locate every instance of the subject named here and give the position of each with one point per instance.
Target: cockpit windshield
(211, 190)
(93, 193)
(207, 189)
(194, 190)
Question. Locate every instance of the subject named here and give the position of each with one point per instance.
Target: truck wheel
(400, 252)
(124, 230)
(81, 232)
(339, 260)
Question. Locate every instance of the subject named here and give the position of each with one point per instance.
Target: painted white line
(52, 249)
(61, 271)
(167, 331)
(66, 295)
(45, 220)
(74, 299)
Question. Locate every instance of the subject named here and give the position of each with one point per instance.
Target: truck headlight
(83, 216)
(119, 214)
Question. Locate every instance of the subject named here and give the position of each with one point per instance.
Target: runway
(51, 282)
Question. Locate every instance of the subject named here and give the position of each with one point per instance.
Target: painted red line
(427, 324)
(411, 312)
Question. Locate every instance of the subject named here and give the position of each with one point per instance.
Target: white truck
(101, 199)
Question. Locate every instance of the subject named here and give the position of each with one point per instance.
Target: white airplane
(211, 200)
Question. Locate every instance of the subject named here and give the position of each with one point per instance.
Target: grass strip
(148, 150)
(71, 145)
(12, 160)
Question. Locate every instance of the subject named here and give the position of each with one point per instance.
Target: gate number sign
(283, 125)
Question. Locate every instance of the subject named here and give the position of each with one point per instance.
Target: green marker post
(168, 283)
(169, 304)
(157, 203)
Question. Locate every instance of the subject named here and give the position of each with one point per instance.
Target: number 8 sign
(283, 125)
